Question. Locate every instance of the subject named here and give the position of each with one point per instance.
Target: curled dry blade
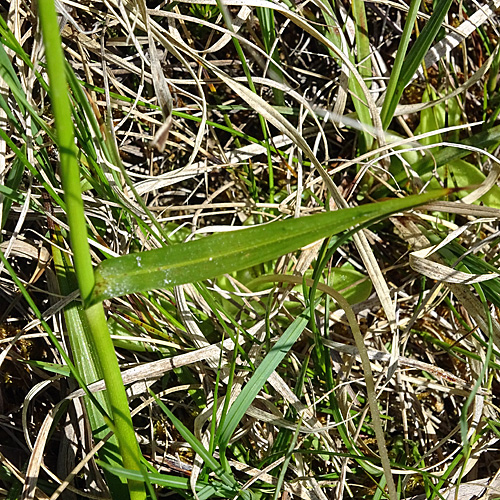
(160, 85)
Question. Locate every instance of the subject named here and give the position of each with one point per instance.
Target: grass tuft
(249, 250)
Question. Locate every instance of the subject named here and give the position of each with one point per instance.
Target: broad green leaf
(231, 251)
(461, 173)
(259, 378)
(437, 117)
(481, 140)
(431, 119)
(353, 285)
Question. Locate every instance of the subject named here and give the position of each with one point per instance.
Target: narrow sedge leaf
(204, 490)
(415, 56)
(226, 477)
(424, 41)
(231, 251)
(259, 378)
(390, 103)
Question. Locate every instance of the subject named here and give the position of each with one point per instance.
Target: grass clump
(259, 247)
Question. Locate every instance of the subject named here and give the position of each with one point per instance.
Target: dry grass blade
(21, 476)
(160, 84)
(474, 307)
(157, 369)
(32, 471)
(402, 362)
(370, 386)
(443, 48)
(440, 272)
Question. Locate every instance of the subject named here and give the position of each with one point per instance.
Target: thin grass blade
(387, 108)
(198, 447)
(415, 58)
(259, 378)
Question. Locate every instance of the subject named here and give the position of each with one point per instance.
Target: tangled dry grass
(234, 114)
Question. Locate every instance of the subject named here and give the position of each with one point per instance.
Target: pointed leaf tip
(232, 251)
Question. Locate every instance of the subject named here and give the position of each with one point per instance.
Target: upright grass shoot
(121, 421)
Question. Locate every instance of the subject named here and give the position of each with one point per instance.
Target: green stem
(227, 19)
(70, 175)
(390, 101)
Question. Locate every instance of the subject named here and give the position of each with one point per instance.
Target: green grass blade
(259, 378)
(7, 70)
(447, 154)
(10, 191)
(288, 457)
(387, 108)
(70, 176)
(8, 74)
(416, 56)
(267, 27)
(482, 140)
(204, 490)
(359, 101)
(231, 251)
(87, 363)
(198, 447)
(365, 70)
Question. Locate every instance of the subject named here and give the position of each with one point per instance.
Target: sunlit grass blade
(70, 176)
(414, 58)
(198, 447)
(259, 378)
(387, 108)
(231, 251)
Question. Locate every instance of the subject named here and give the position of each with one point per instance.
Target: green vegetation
(248, 251)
